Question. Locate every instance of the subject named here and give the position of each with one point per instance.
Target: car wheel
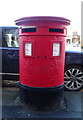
(73, 78)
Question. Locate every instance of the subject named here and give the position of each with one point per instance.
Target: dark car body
(9, 53)
(10, 56)
(10, 63)
(73, 58)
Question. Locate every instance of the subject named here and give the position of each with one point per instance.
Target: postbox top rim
(43, 18)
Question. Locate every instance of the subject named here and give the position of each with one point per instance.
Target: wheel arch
(73, 65)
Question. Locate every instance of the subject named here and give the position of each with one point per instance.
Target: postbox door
(52, 60)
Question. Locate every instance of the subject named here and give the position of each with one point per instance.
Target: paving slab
(13, 108)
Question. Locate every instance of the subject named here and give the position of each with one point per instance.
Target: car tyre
(73, 78)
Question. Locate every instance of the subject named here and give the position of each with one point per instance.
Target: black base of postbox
(42, 98)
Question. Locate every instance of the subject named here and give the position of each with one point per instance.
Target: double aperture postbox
(41, 56)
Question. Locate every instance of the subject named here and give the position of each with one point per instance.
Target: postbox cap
(38, 20)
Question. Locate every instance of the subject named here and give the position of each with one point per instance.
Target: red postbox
(41, 56)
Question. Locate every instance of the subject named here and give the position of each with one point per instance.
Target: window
(10, 37)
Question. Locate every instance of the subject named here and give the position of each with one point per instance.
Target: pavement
(13, 109)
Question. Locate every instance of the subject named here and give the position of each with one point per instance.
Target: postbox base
(42, 98)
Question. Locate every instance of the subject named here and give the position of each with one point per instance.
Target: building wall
(75, 38)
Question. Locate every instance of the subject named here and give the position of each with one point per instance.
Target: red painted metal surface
(42, 69)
